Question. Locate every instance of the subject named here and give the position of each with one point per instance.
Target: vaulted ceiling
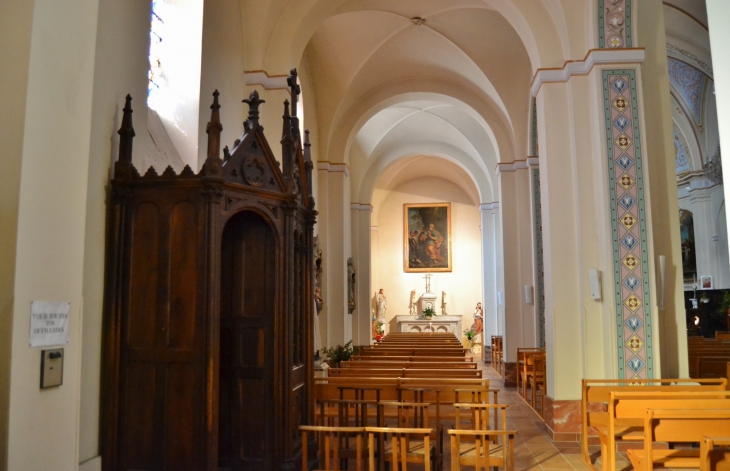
(391, 80)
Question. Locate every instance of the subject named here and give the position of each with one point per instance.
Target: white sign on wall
(49, 323)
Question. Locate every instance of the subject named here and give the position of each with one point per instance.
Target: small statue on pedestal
(443, 303)
(412, 307)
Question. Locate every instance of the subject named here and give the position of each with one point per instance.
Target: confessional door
(248, 305)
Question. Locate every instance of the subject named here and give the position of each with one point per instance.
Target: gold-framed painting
(427, 237)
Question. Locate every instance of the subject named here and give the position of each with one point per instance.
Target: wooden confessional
(209, 303)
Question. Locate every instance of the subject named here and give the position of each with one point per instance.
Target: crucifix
(294, 89)
(428, 282)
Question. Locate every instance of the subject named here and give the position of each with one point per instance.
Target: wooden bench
(677, 426)
(713, 366)
(595, 394)
(409, 364)
(406, 372)
(331, 388)
(715, 453)
(420, 358)
(627, 410)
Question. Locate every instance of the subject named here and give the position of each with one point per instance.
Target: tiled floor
(533, 449)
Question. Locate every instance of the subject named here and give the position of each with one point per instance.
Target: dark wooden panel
(183, 275)
(138, 421)
(182, 424)
(144, 277)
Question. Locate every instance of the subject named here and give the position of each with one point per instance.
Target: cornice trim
(269, 82)
(361, 207)
(593, 58)
(334, 168)
(508, 167)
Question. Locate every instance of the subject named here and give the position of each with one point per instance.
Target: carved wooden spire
(212, 166)
(214, 129)
(294, 90)
(126, 133)
(253, 103)
(287, 142)
(308, 164)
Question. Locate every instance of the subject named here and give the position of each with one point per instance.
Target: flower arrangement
(338, 354)
(470, 334)
(428, 312)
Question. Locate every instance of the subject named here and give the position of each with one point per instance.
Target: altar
(435, 324)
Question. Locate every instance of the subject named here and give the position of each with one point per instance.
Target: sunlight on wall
(176, 33)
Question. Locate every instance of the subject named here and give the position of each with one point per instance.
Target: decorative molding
(269, 82)
(489, 206)
(686, 56)
(334, 168)
(529, 162)
(540, 269)
(614, 24)
(593, 58)
(361, 207)
(533, 124)
(629, 227)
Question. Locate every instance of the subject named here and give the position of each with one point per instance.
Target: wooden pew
(595, 394)
(420, 358)
(677, 426)
(713, 366)
(715, 453)
(409, 364)
(699, 348)
(521, 352)
(330, 388)
(405, 373)
(627, 410)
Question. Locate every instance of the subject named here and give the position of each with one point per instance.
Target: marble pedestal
(435, 324)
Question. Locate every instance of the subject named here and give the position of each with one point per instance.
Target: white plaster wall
(50, 230)
(719, 16)
(463, 285)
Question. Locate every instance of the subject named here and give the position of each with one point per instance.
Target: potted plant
(379, 331)
(428, 312)
(338, 354)
(470, 334)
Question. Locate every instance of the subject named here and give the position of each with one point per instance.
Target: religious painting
(705, 282)
(427, 237)
(687, 235)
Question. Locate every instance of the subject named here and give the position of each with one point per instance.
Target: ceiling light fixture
(417, 20)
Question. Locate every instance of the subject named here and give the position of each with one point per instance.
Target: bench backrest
(685, 425)
(629, 408)
(329, 388)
